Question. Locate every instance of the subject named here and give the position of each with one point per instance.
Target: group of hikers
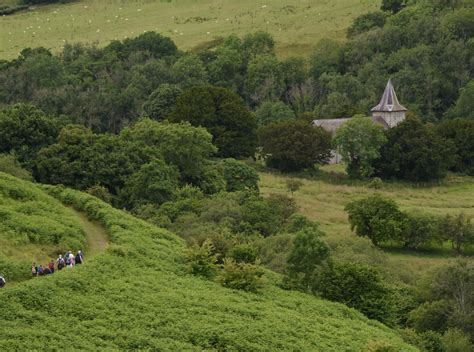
(68, 261)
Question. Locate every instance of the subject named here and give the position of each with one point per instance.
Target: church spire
(389, 101)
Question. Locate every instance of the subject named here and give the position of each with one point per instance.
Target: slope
(188, 22)
(138, 295)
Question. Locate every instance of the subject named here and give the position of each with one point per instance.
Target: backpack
(40, 270)
(78, 259)
(33, 270)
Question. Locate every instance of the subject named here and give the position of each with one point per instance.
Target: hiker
(51, 266)
(34, 270)
(71, 258)
(40, 270)
(46, 270)
(61, 262)
(79, 257)
(2, 281)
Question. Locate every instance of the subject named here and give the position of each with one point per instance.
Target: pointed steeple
(389, 101)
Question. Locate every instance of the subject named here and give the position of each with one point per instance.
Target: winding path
(96, 235)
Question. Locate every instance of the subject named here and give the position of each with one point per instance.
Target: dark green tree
(393, 6)
(271, 112)
(415, 152)
(223, 114)
(161, 102)
(294, 145)
(360, 287)
(377, 218)
(461, 133)
(24, 130)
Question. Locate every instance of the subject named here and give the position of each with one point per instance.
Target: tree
(24, 130)
(376, 217)
(265, 79)
(189, 71)
(459, 230)
(360, 287)
(154, 183)
(161, 102)
(258, 43)
(239, 176)
(201, 260)
(366, 22)
(359, 141)
(464, 106)
(461, 133)
(293, 185)
(271, 112)
(241, 276)
(393, 6)
(223, 114)
(419, 230)
(180, 144)
(415, 152)
(309, 251)
(294, 145)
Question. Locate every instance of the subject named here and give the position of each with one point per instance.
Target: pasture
(324, 195)
(295, 25)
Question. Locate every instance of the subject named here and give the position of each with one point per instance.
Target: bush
(377, 218)
(10, 165)
(241, 276)
(201, 260)
(366, 22)
(359, 287)
(271, 112)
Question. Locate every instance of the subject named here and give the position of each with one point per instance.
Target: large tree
(223, 114)
(359, 141)
(415, 152)
(294, 145)
(24, 130)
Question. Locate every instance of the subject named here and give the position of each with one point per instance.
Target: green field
(324, 196)
(295, 25)
(137, 294)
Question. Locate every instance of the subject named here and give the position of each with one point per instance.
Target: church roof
(330, 125)
(389, 101)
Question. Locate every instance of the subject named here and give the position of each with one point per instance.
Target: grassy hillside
(188, 22)
(323, 198)
(33, 227)
(137, 294)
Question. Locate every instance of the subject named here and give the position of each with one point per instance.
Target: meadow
(138, 295)
(189, 23)
(324, 195)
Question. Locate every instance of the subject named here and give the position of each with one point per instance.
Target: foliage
(414, 152)
(271, 112)
(359, 141)
(294, 145)
(223, 114)
(241, 276)
(393, 6)
(100, 192)
(161, 102)
(463, 107)
(24, 130)
(239, 176)
(454, 340)
(459, 230)
(201, 260)
(308, 252)
(293, 185)
(376, 217)
(461, 133)
(357, 286)
(10, 165)
(366, 22)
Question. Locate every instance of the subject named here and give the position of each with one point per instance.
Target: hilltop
(189, 23)
(137, 294)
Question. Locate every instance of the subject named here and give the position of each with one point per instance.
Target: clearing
(189, 23)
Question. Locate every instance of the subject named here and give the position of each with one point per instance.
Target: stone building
(388, 113)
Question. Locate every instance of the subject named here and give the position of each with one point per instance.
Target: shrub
(241, 276)
(10, 165)
(271, 112)
(201, 260)
(239, 176)
(360, 287)
(377, 218)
